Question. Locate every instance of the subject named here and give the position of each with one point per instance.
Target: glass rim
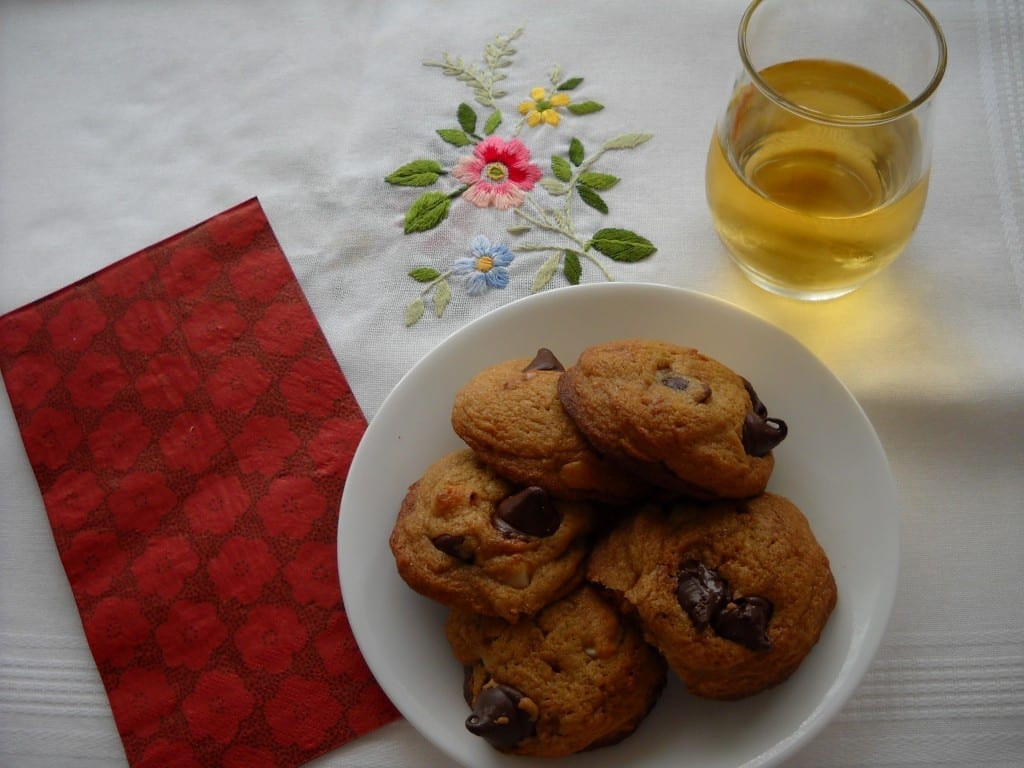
(848, 120)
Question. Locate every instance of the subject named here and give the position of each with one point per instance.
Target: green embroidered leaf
(576, 153)
(560, 168)
(455, 137)
(621, 244)
(519, 229)
(492, 123)
(572, 268)
(627, 141)
(554, 187)
(585, 107)
(546, 272)
(591, 198)
(600, 181)
(414, 312)
(424, 274)
(442, 295)
(467, 118)
(571, 84)
(418, 173)
(427, 211)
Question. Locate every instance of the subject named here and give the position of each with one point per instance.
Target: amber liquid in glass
(811, 209)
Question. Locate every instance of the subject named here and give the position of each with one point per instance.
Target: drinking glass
(818, 169)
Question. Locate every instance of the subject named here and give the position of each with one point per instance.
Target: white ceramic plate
(832, 466)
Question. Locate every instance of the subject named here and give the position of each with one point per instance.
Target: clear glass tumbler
(818, 169)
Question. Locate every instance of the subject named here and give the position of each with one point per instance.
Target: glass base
(790, 292)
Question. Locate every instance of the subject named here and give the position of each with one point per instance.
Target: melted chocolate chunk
(544, 361)
(745, 621)
(760, 433)
(701, 592)
(530, 512)
(453, 545)
(680, 383)
(497, 717)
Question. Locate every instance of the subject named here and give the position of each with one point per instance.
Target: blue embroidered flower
(486, 268)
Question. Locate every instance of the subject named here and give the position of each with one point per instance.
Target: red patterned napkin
(191, 432)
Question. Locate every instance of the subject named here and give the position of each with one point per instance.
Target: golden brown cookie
(574, 677)
(469, 539)
(683, 420)
(510, 415)
(734, 594)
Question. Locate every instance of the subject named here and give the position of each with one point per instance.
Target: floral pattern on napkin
(500, 172)
(191, 433)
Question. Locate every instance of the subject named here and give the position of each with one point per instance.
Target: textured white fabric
(122, 123)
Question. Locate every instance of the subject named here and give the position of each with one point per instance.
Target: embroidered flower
(164, 566)
(168, 378)
(93, 561)
(144, 325)
(72, 498)
(50, 437)
(313, 575)
(140, 501)
(216, 504)
(486, 268)
(30, 379)
(270, 637)
(96, 380)
(264, 444)
(116, 629)
(191, 442)
(291, 506)
(242, 568)
(542, 108)
(498, 173)
(118, 439)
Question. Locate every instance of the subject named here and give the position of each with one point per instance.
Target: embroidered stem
(533, 248)
(545, 224)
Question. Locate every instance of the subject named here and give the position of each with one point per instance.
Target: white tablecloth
(122, 123)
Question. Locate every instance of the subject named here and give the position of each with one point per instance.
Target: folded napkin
(191, 433)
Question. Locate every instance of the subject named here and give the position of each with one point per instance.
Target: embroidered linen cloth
(118, 129)
(190, 432)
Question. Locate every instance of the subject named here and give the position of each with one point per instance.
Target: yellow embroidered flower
(541, 108)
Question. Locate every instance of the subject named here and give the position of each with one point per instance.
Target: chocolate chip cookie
(470, 539)
(574, 677)
(678, 418)
(511, 416)
(734, 594)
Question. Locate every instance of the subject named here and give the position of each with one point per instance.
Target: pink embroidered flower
(216, 504)
(18, 328)
(76, 324)
(163, 753)
(164, 565)
(50, 437)
(140, 501)
(71, 498)
(498, 173)
(144, 326)
(168, 378)
(237, 383)
(93, 560)
(261, 275)
(116, 628)
(96, 380)
(217, 706)
(241, 756)
(291, 505)
(241, 569)
(334, 445)
(124, 279)
(302, 712)
(213, 327)
(285, 328)
(313, 386)
(313, 575)
(263, 444)
(190, 269)
(270, 637)
(30, 379)
(118, 439)
(191, 442)
(190, 634)
(141, 698)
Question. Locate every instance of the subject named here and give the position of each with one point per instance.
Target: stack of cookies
(604, 524)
